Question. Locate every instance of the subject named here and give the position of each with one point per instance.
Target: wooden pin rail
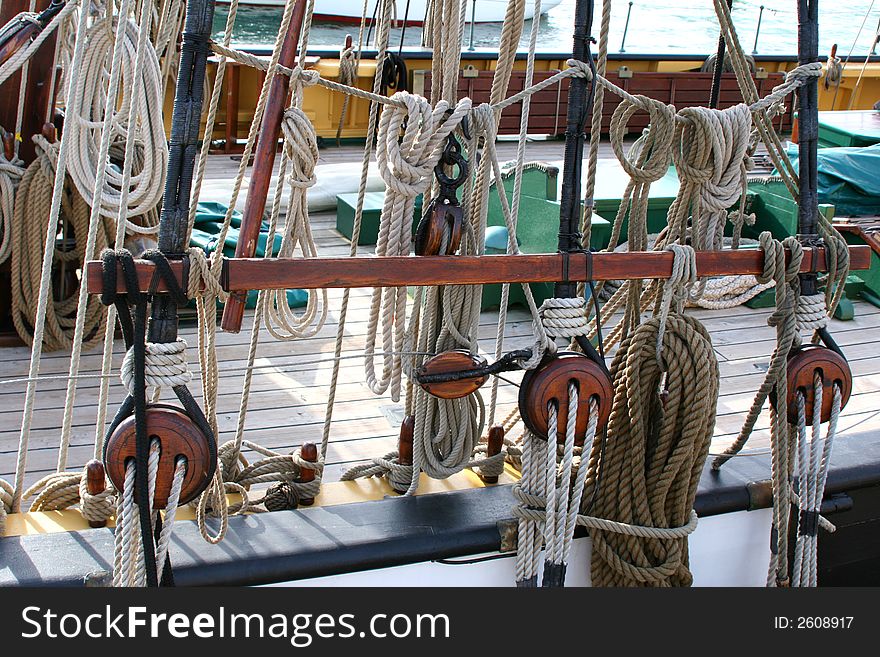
(240, 275)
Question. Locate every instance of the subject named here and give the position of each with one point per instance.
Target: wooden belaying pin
(405, 441)
(405, 445)
(50, 132)
(9, 146)
(95, 485)
(309, 452)
(494, 443)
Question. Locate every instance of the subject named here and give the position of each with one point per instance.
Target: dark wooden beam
(240, 275)
(264, 160)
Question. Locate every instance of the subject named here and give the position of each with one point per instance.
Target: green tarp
(205, 234)
(849, 179)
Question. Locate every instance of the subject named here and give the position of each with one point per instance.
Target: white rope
(564, 317)
(812, 471)
(85, 122)
(406, 165)
(46, 273)
(166, 365)
(301, 156)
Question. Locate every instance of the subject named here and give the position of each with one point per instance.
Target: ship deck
(291, 379)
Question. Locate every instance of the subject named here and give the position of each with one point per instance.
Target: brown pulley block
(178, 436)
(429, 234)
(803, 363)
(548, 383)
(452, 363)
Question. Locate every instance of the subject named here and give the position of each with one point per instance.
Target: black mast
(579, 101)
(808, 133)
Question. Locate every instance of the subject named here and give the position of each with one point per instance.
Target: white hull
(485, 11)
(731, 549)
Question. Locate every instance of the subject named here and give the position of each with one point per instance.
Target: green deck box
(373, 202)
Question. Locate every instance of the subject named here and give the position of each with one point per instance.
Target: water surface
(662, 26)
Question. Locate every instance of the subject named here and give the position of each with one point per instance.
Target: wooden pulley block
(429, 234)
(448, 367)
(178, 436)
(803, 363)
(548, 383)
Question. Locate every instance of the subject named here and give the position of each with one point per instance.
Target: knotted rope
(647, 161)
(166, 365)
(564, 317)
(833, 72)
(301, 157)
(712, 161)
(784, 319)
(406, 164)
(348, 65)
(399, 475)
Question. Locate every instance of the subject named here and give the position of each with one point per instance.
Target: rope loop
(166, 365)
(564, 317)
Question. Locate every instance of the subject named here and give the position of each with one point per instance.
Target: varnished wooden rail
(240, 275)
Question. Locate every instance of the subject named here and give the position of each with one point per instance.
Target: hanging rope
(407, 166)
(301, 156)
(11, 172)
(348, 66)
(645, 473)
(813, 462)
(129, 567)
(549, 496)
(84, 124)
(32, 207)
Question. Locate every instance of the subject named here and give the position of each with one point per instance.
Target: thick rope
(32, 207)
(407, 167)
(11, 173)
(301, 155)
(645, 473)
(813, 462)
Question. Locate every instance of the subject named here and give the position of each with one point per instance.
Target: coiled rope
(645, 474)
(85, 120)
(10, 176)
(406, 165)
(32, 207)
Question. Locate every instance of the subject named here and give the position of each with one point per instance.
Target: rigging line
(403, 29)
(852, 48)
